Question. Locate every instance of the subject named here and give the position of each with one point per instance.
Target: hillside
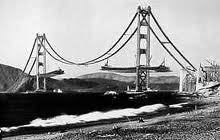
(13, 80)
(128, 79)
(114, 81)
(111, 76)
(8, 76)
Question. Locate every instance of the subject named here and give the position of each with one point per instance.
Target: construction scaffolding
(208, 75)
(187, 82)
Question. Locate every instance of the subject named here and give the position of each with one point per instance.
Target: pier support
(143, 76)
(40, 63)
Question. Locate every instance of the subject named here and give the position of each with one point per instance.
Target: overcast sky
(83, 29)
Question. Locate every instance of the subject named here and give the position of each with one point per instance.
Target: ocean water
(89, 117)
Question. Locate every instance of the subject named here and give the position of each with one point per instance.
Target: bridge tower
(143, 37)
(40, 62)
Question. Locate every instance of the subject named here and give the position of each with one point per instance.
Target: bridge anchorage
(143, 30)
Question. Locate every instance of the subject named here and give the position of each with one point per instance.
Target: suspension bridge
(143, 31)
(22, 108)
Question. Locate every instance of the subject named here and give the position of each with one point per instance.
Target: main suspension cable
(65, 60)
(171, 42)
(93, 60)
(167, 49)
(30, 55)
(35, 59)
(22, 74)
(32, 66)
(50, 53)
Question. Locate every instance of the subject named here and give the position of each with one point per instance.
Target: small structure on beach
(187, 82)
(208, 76)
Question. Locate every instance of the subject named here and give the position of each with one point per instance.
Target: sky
(82, 30)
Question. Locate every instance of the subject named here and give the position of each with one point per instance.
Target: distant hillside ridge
(109, 76)
(165, 79)
(128, 79)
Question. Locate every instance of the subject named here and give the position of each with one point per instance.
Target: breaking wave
(180, 105)
(89, 117)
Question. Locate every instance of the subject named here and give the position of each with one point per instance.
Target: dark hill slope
(8, 76)
(14, 80)
(29, 84)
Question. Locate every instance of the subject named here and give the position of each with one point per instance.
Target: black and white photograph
(109, 70)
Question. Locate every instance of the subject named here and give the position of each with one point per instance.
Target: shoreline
(58, 129)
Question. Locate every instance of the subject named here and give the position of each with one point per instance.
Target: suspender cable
(167, 49)
(171, 41)
(94, 62)
(87, 62)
